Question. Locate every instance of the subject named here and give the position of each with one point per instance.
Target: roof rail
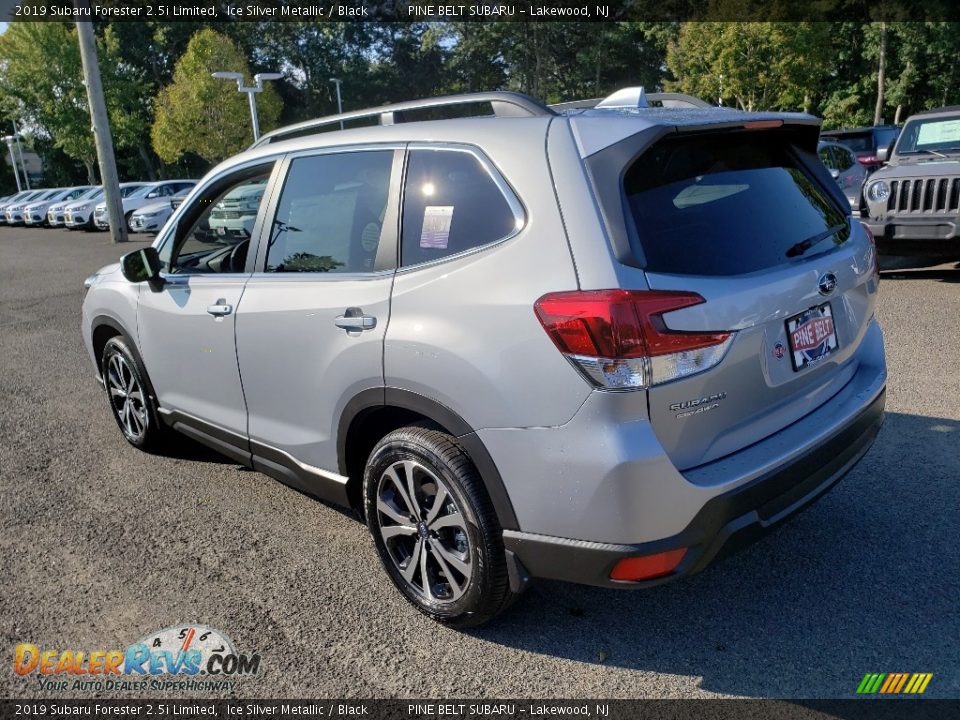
(668, 100)
(504, 104)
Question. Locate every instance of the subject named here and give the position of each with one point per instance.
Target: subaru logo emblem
(827, 283)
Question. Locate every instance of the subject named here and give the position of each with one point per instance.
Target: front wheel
(434, 527)
(127, 392)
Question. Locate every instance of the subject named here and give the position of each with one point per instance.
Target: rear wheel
(129, 398)
(434, 527)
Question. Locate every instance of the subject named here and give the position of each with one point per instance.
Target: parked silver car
(604, 346)
(844, 168)
(147, 194)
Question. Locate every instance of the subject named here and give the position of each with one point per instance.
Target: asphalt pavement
(102, 544)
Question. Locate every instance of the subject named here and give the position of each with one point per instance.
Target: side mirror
(834, 173)
(883, 154)
(141, 266)
(152, 194)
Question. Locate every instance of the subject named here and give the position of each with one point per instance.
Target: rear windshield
(728, 205)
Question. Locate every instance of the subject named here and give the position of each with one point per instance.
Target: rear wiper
(801, 247)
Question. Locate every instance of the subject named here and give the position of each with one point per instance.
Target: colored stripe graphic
(894, 683)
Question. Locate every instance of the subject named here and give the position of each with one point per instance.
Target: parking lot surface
(102, 544)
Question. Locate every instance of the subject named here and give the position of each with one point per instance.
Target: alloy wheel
(424, 531)
(126, 397)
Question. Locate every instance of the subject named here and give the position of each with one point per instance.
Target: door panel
(186, 329)
(311, 324)
(190, 353)
(299, 368)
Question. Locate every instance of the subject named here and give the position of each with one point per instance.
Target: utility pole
(101, 127)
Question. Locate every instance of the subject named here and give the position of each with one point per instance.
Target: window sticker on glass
(436, 226)
(943, 131)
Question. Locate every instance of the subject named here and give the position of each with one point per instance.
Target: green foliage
(41, 84)
(828, 69)
(203, 115)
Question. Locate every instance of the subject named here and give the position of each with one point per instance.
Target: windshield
(709, 206)
(937, 135)
(77, 193)
(134, 190)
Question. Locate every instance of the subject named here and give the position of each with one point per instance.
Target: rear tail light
(618, 340)
(873, 244)
(647, 567)
(868, 160)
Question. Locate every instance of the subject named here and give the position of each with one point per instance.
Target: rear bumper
(916, 236)
(726, 522)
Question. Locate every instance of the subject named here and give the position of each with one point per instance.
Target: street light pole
(23, 165)
(13, 161)
(337, 81)
(250, 91)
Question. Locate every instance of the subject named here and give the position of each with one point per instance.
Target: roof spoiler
(634, 97)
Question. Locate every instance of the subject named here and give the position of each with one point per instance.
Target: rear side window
(727, 205)
(451, 204)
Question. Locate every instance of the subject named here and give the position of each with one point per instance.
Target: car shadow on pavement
(186, 448)
(949, 275)
(865, 580)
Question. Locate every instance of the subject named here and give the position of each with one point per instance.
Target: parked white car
(150, 218)
(36, 212)
(14, 211)
(80, 214)
(147, 195)
(15, 199)
(55, 210)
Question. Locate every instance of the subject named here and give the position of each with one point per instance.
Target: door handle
(220, 308)
(354, 319)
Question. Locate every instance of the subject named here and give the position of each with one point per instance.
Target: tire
(459, 544)
(129, 397)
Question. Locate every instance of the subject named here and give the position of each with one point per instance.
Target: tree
(42, 84)
(205, 116)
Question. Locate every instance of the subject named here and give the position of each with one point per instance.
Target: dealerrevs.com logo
(177, 658)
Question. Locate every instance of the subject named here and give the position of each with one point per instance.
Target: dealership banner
(477, 709)
(474, 11)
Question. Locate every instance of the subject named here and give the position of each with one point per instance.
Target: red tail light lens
(647, 567)
(868, 160)
(612, 335)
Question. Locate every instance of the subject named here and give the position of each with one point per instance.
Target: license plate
(811, 335)
(221, 231)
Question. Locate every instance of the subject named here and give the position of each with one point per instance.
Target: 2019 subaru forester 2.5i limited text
(604, 345)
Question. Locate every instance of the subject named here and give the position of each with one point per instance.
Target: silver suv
(603, 345)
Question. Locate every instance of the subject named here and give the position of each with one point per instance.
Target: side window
(330, 213)
(826, 157)
(218, 225)
(844, 159)
(450, 204)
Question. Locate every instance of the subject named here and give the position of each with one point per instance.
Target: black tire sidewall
(118, 346)
(391, 450)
